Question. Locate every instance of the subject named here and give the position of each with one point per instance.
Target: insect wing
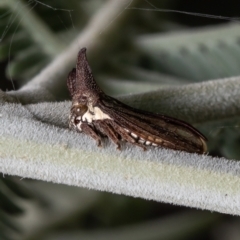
(157, 129)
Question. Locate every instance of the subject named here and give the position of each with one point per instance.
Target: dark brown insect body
(96, 114)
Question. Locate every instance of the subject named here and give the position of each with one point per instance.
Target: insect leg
(91, 132)
(126, 136)
(109, 131)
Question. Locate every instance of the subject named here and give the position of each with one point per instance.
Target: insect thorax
(83, 113)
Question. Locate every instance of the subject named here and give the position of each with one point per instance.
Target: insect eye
(77, 111)
(80, 110)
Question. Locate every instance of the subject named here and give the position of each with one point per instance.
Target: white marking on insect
(154, 144)
(126, 130)
(148, 143)
(95, 114)
(134, 135)
(79, 126)
(141, 141)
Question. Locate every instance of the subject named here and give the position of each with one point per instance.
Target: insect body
(97, 115)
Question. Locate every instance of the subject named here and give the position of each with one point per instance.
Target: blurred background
(152, 49)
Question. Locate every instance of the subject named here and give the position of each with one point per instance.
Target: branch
(196, 103)
(35, 143)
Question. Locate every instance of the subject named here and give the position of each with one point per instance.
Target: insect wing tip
(204, 145)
